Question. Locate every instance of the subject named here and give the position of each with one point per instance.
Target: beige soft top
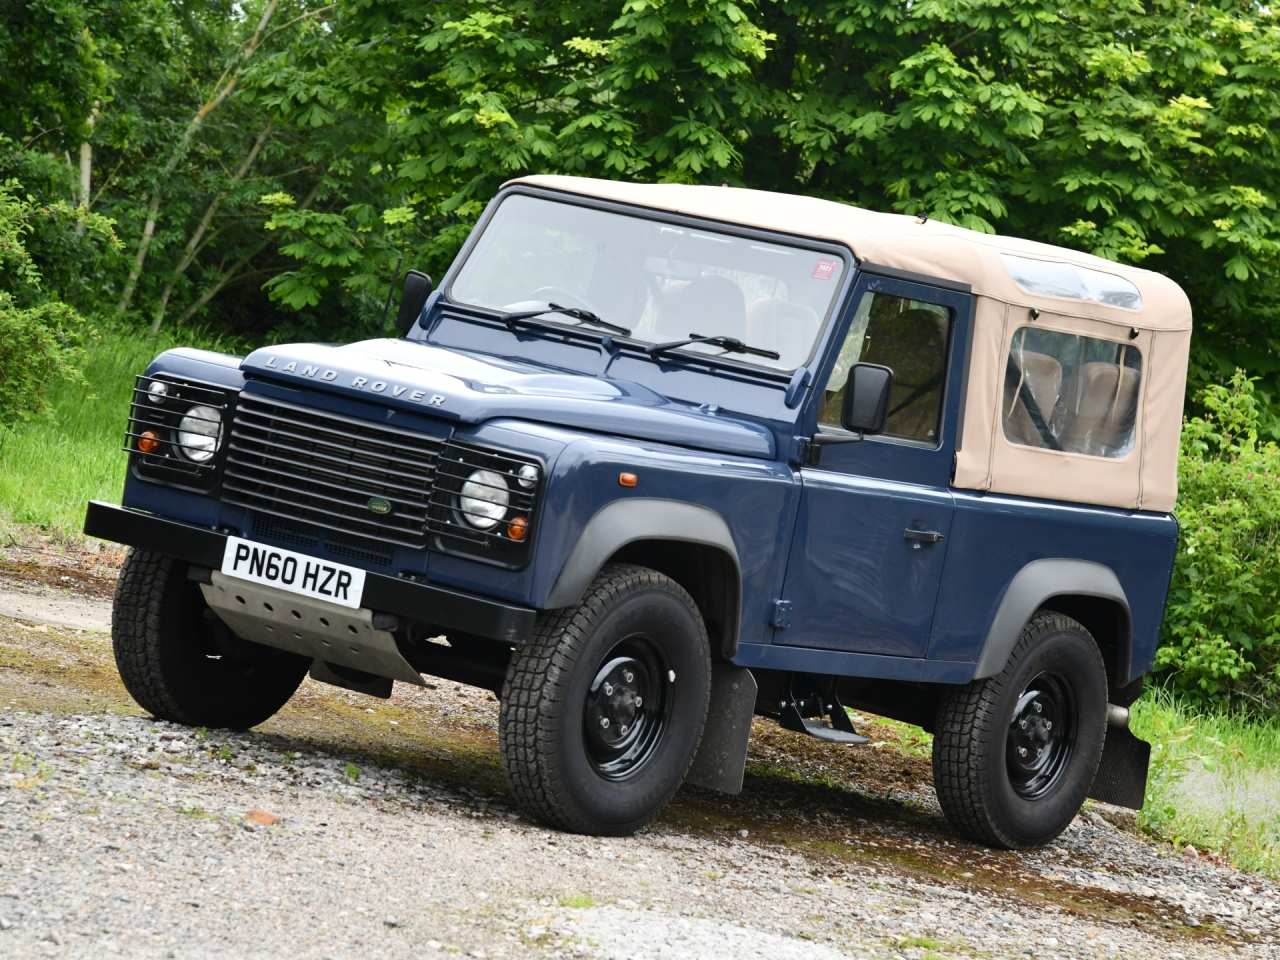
(1161, 328)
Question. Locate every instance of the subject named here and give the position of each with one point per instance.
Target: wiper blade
(582, 316)
(731, 344)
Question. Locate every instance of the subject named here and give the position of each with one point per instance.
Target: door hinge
(780, 614)
(799, 455)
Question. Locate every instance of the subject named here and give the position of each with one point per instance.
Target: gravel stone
(143, 855)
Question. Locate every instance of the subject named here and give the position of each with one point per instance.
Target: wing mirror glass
(413, 297)
(866, 398)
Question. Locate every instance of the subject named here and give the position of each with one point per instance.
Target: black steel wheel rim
(1042, 735)
(627, 709)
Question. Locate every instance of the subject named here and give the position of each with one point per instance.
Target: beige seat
(782, 325)
(1096, 411)
(1040, 373)
(710, 306)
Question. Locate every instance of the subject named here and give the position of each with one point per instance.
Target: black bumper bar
(445, 608)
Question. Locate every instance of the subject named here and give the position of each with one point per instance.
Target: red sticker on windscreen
(825, 270)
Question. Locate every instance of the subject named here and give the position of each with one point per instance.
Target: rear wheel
(1014, 754)
(181, 663)
(602, 713)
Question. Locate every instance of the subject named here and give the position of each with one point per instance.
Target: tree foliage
(1221, 639)
(1142, 131)
(39, 334)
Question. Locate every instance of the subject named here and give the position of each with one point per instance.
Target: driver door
(875, 516)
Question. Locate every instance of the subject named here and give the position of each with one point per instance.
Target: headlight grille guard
(450, 532)
(161, 417)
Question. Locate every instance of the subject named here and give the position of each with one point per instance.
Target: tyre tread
(530, 711)
(966, 718)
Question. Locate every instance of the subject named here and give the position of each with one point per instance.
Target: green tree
(1221, 639)
(1144, 132)
(39, 334)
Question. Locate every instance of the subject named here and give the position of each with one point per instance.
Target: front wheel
(181, 663)
(1014, 755)
(602, 712)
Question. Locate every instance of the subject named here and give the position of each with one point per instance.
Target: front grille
(322, 468)
(308, 537)
(285, 531)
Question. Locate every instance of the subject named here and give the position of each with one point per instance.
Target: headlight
(200, 433)
(484, 499)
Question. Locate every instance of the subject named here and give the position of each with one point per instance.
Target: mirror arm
(820, 440)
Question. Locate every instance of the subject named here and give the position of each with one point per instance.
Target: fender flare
(627, 521)
(1029, 590)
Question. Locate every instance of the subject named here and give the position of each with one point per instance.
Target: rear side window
(909, 337)
(1072, 393)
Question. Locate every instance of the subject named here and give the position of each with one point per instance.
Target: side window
(910, 338)
(1072, 393)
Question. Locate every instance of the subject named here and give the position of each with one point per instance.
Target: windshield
(661, 281)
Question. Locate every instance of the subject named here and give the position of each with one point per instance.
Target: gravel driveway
(352, 828)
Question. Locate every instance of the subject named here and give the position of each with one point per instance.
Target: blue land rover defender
(654, 459)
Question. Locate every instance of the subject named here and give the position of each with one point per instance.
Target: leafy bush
(1221, 641)
(39, 334)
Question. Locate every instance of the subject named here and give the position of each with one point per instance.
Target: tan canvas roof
(893, 240)
(1160, 329)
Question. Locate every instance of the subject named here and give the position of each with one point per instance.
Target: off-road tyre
(181, 663)
(546, 747)
(984, 792)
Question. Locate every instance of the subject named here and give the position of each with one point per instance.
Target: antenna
(387, 306)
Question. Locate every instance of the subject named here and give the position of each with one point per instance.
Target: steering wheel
(561, 296)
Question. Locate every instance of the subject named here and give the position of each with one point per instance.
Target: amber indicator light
(518, 528)
(148, 442)
(628, 479)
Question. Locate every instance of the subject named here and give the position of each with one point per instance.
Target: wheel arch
(1088, 592)
(689, 543)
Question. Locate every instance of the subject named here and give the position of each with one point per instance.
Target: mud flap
(1122, 775)
(721, 759)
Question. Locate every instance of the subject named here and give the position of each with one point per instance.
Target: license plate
(295, 572)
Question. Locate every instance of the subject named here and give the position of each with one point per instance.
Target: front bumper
(451, 610)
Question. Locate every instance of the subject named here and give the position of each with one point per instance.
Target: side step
(839, 729)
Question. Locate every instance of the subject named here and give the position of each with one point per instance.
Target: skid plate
(324, 631)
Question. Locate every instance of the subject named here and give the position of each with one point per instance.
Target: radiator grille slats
(324, 468)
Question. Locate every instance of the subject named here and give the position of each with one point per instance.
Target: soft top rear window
(1057, 279)
(663, 281)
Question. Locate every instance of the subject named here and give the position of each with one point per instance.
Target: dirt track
(112, 826)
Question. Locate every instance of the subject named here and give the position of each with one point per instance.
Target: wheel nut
(639, 701)
(608, 690)
(1037, 706)
(1039, 750)
(628, 676)
(1048, 724)
(1022, 724)
(604, 722)
(1022, 751)
(623, 729)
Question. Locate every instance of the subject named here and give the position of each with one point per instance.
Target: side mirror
(413, 297)
(866, 398)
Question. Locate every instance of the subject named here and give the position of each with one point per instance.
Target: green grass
(50, 468)
(1214, 781)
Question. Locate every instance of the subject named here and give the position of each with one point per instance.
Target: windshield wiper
(730, 344)
(582, 316)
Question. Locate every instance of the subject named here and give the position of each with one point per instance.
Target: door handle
(923, 536)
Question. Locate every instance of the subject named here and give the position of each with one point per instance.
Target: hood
(465, 388)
